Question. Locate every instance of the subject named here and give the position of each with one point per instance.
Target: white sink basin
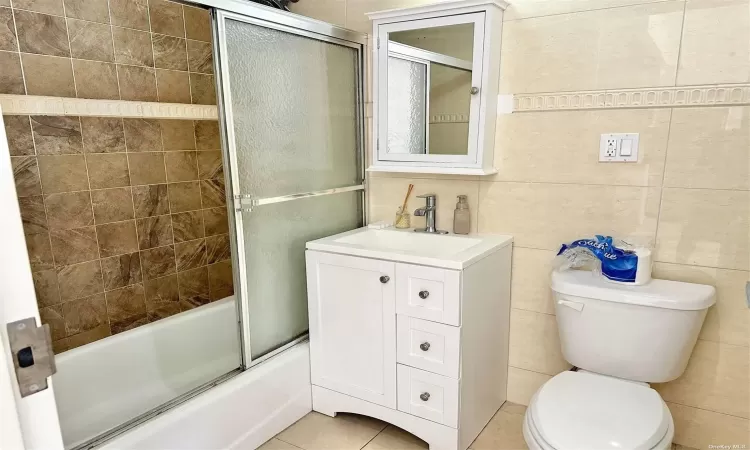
(448, 251)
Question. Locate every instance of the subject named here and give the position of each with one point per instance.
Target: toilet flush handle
(575, 305)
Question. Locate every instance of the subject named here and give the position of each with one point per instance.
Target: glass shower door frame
(289, 23)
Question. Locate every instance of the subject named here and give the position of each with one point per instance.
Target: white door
(352, 308)
(30, 422)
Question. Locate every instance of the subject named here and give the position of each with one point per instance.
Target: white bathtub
(106, 383)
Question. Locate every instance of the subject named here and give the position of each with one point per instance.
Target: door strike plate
(33, 357)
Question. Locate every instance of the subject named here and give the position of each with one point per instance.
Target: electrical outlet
(611, 149)
(618, 147)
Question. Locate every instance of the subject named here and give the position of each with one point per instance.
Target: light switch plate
(618, 147)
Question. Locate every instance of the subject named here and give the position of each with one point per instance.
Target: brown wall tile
(132, 47)
(161, 291)
(26, 175)
(220, 281)
(126, 302)
(45, 286)
(212, 193)
(129, 13)
(173, 86)
(184, 196)
(41, 34)
(63, 173)
(121, 271)
(216, 221)
(187, 226)
(158, 262)
(154, 232)
(33, 214)
(106, 170)
(18, 132)
(102, 135)
(87, 337)
(93, 10)
(5, 3)
(217, 248)
(85, 314)
(69, 210)
(146, 168)
(142, 135)
(42, 6)
(190, 255)
(181, 166)
(178, 134)
(96, 80)
(90, 40)
(40, 252)
(117, 238)
(210, 165)
(36, 70)
(194, 290)
(200, 56)
(80, 280)
(8, 31)
(150, 200)
(207, 135)
(129, 323)
(74, 246)
(57, 135)
(166, 18)
(11, 78)
(53, 316)
(137, 83)
(163, 311)
(170, 52)
(202, 89)
(197, 24)
(112, 205)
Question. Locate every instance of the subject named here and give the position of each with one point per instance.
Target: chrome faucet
(428, 211)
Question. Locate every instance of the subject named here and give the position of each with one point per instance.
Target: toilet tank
(643, 333)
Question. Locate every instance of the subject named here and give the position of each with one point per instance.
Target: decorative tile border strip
(449, 118)
(666, 97)
(59, 106)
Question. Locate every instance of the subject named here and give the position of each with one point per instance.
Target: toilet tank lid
(657, 293)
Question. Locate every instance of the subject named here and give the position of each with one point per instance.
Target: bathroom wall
(689, 193)
(125, 218)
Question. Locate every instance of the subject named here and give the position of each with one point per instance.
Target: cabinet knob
(384, 279)
(423, 294)
(474, 90)
(424, 396)
(424, 346)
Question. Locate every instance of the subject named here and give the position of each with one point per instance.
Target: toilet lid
(584, 411)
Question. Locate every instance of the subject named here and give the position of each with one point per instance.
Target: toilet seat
(586, 411)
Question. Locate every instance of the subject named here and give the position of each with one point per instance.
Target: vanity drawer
(428, 345)
(428, 293)
(427, 395)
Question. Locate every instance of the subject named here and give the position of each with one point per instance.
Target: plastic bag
(615, 259)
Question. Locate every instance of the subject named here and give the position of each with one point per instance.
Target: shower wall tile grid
(143, 50)
(125, 220)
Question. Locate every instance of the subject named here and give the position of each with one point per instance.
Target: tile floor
(316, 431)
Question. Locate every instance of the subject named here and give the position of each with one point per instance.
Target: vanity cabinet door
(352, 306)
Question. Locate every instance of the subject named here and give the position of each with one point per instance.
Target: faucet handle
(427, 196)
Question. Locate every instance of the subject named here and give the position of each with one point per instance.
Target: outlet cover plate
(611, 148)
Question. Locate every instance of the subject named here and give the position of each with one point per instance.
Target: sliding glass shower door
(291, 104)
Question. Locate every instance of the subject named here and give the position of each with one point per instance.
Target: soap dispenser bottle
(462, 216)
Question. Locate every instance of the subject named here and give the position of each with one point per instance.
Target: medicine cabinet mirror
(436, 70)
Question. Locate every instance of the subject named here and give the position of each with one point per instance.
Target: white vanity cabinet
(424, 347)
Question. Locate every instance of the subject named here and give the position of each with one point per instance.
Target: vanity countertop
(447, 251)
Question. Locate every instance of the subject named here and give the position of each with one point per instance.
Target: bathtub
(106, 383)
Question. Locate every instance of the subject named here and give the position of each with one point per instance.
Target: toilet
(620, 338)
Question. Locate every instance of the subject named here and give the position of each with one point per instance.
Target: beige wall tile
(143, 135)
(11, 78)
(727, 321)
(530, 288)
(57, 135)
(107, 170)
(331, 11)
(522, 384)
(202, 89)
(197, 23)
(42, 6)
(521, 9)
(698, 428)
(715, 42)
(716, 379)
(173, 86)
(546, 215)
(18, 133)
(96, 80)
(36, 70)
(89, 40)
(137, 83)
(132, 47)
(64, 173)
(387, 195)
(26, 175)
(200, 56)
(705, 227)
(7, 31)
(93, 10)
(41, 34)
(587, 50)
(535, 343)
(129, 13)
(102, 135)
(166, 18)
(112, 205)
(563, 147)
(69, 210)
(170, 52)
(709, 148)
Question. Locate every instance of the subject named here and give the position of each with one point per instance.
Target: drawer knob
(424, 346)
(423, 294)
(384, 279)
(424, 396)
